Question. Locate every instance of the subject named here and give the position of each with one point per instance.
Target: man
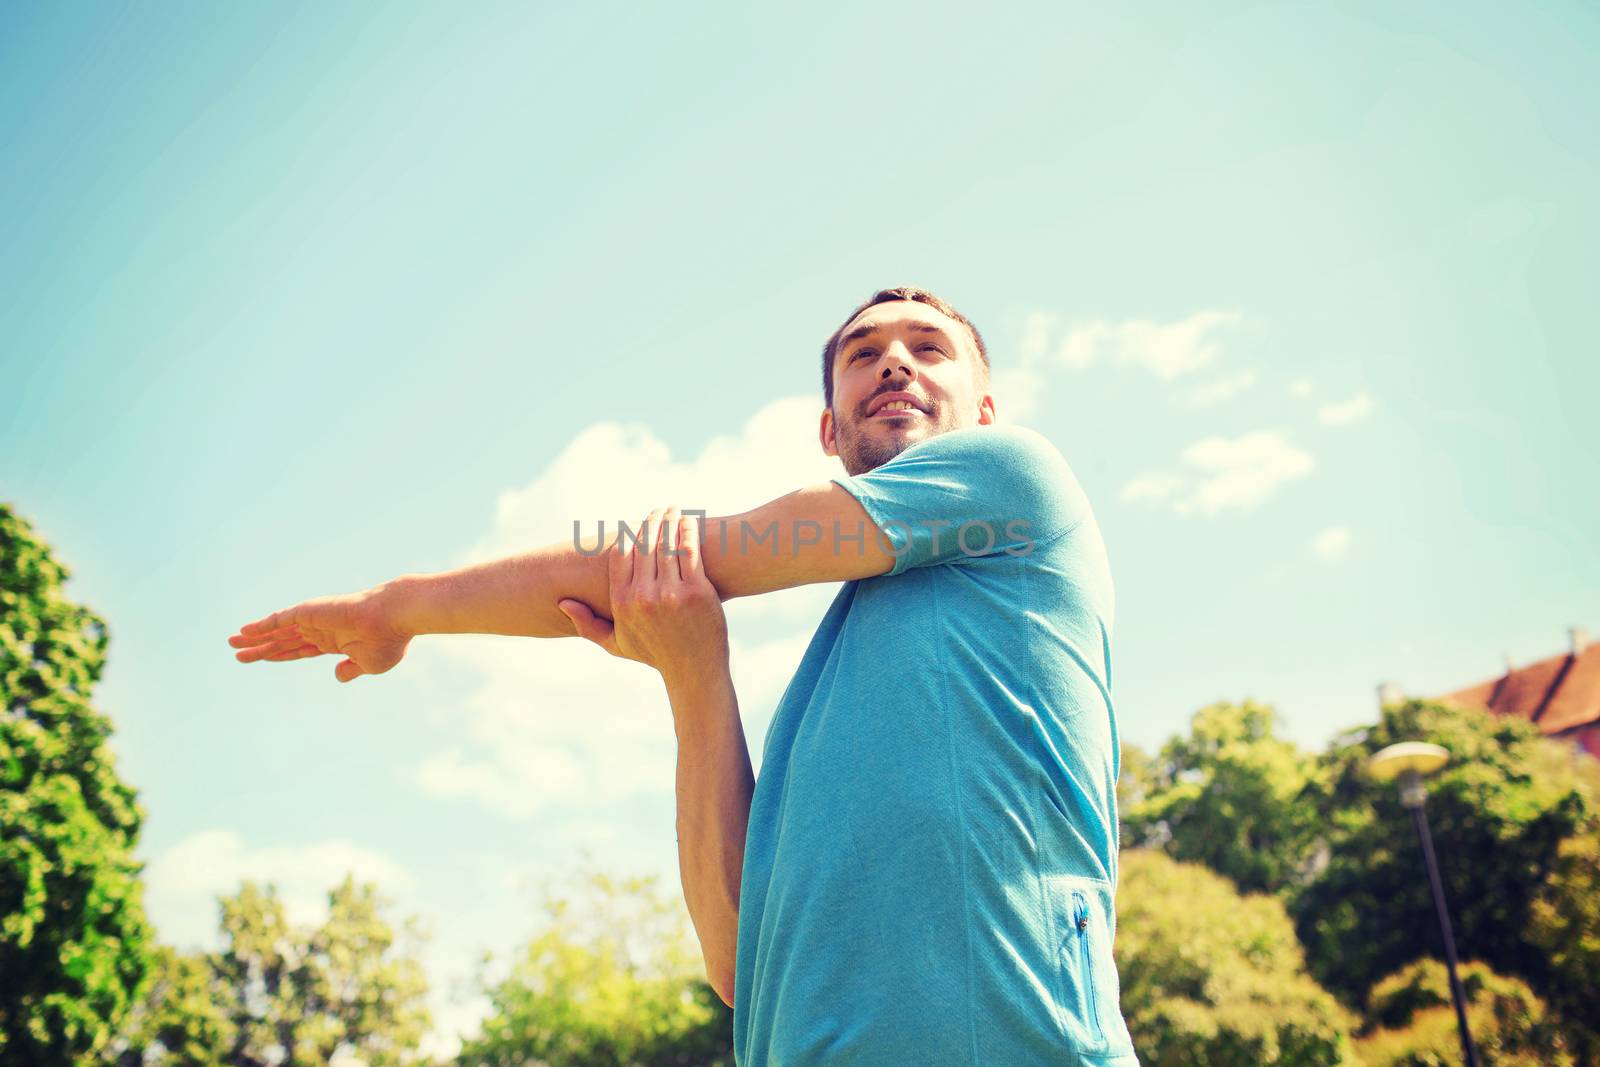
(925, 872)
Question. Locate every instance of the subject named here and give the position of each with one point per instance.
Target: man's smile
(894, 404)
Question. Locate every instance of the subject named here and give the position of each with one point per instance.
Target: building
(1560, 695)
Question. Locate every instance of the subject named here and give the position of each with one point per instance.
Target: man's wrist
(694, 690)
(398, 602)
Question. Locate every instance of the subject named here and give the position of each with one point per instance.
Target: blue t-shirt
(931, 858)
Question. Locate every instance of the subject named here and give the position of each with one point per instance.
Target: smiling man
(925, 871)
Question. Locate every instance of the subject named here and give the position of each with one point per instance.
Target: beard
(863, 447)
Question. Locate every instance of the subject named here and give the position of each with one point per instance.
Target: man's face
(902, 350)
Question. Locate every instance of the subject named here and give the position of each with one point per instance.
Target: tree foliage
(181, 1021)
(1230, 794)
(613, 980)
(348, 989)
(1412, 1021)
(1564, 929)
(73, 937)
(1211, 977)
(1515, 818)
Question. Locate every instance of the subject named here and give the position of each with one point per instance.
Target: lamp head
(1417, 756)
(1408, 761)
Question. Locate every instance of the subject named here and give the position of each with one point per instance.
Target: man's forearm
(715, 784)
(515, 596)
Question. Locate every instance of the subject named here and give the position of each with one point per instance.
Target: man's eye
(872, 352)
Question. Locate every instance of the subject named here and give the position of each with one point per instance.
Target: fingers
(654, 559)
(590, 626)
(689, 564)
(278, 620)
(578, 612)
(348, 671)
(644, 563)
(660, 557)
(265, 637)
(302, 652)
(274, 629)
(272, 649)
(667, 559)
(619, 568)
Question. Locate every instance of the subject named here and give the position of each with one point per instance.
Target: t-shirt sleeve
(968, 494)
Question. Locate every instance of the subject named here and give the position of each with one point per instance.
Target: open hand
(667, 613)
(354, 625)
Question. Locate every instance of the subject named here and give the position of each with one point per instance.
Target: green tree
(1133, 785)
(73, 936)
(1412, 1021)
(182, 1020)
(275, 993)
(1504, 813)
(1213, 978)
(616, 981)
(1230, 794)
(350, 985)
(1564, 926)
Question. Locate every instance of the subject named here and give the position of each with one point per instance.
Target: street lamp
(1408, 762)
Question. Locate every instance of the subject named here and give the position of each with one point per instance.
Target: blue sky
(295, 299)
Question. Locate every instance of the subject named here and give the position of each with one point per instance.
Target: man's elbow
(722, 983)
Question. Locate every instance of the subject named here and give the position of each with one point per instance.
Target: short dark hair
(883, 296)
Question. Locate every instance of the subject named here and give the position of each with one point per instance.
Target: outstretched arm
(816, 534)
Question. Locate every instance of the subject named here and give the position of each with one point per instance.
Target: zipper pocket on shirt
(1080, 922)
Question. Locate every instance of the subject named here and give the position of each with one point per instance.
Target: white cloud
(1300, 387)
(615, 471)
(453, 1019)
(552, 724)
(1168, 349)
(1357, 407)
(562, 725)
(1225, 473)
(185, 880)
(1222, 389)
(761, 672)
(527, 778)
(1152, 487)
(1036, 333)
(1016, 393)
(1086, 344)
(1241, 472)
(1331, 543)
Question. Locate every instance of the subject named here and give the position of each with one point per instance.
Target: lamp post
(1407, 763)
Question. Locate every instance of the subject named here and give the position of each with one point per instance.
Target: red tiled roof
(1577, 702)
(1559, 694)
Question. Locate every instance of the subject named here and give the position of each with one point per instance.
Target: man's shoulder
(995, 439)
(1005, 485)
(999, 450)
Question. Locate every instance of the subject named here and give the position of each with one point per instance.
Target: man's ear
(825, 433)
(986, 410)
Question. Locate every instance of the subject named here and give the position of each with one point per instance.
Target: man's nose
(896, 359)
